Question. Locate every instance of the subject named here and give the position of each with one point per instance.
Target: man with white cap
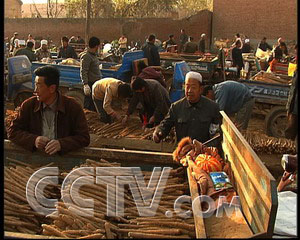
(43, 51)
(202, 43)
(192, 116)
(13, 42)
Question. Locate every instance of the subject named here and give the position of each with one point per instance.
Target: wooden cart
(255, 186)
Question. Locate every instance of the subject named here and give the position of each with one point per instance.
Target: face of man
(64, 44)
(193, 90)
(44, 47)
(42, 91)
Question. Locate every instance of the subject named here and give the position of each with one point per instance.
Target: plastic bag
(292, 68)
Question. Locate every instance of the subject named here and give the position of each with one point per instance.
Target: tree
(191, 7)
(99, 8)
(54, 9)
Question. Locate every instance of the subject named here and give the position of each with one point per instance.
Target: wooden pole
(87, 25)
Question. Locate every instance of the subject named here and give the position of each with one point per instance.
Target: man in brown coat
(49, 121)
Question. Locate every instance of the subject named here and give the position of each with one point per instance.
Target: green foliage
(134, 8)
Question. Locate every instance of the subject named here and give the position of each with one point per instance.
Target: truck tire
(276, 122)
(79, 97)
(21, 97)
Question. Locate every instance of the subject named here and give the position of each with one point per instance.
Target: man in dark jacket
(183, 39)
(202, 43)
(193, 116)
(151, 73)
(190, 46)
(154, 99)
(27, 52)
(263, 45)
(66, 51)
(49, 121)
(237, 57)
(151, 52)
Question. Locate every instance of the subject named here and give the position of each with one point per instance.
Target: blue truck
(20, 80)
(271, 99)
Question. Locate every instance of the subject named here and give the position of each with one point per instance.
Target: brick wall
(112, 28)
(255, 18)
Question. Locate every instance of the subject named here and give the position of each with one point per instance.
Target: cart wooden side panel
(69, 160)
(255, 185)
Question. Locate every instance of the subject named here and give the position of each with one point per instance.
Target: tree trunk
(87, 26)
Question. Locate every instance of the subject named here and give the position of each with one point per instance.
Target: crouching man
(104, 92)
(49, 121)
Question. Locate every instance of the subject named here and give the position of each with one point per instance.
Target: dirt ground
(256, 124)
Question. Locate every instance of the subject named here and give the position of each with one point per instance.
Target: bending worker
(49, 121)
(154, 99)
(233, 98)
(193, 116)
(106, 90)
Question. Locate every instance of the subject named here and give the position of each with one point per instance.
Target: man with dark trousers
(89, 71)
(151, 52)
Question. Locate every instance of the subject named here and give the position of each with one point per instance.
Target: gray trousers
(104, 117)
(244, 114)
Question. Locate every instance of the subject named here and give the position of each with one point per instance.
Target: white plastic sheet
(286, 219)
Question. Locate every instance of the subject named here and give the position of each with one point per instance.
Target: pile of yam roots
(116, 130)
(66, 223)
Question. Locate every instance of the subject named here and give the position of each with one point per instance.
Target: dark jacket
(292, 103)
(183, 38)
(71, 128)
(246, 48)
(151, 53)
(231, 96)
(68, 52)
(27, 52)
(151, 73)
(237, 57)
(155, 98)
(202, 45)
(190, 47)
(191, 120)
(264, 46)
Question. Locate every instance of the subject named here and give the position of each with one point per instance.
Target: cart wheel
(21, 97)
(276, 122)
(79, 97)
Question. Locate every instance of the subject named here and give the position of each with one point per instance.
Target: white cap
(194, 75)
(22, 42)
(203, 35)
(44, 42)
(247, 40)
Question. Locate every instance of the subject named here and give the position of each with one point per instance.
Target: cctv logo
(146, 198)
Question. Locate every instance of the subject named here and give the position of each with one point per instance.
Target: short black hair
(171, 35)
(93, 42)
(238, 35)
(124, 90)
(151, 37)
(206, 88)
(65, 39)
(282, 44)
(138, 84)
(264, 38)
(29, 44)
(50, 73)
(191, 38)
(238, 42)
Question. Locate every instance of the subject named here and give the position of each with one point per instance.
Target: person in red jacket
(49, 121)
